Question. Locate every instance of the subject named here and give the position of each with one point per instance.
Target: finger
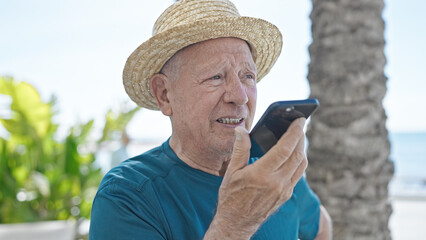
(289, 167)
(293, 173)
(241, 150)
(301, 162)
(285, 146)
(299, 172)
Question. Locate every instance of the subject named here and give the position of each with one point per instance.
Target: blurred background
(76, 50)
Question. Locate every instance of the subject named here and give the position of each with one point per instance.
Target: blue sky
(76, 50)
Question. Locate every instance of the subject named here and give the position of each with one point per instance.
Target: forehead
(219, 44)
(208, 49)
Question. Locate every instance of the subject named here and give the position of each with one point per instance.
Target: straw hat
(190, 21)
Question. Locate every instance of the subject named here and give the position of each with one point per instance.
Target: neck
(201, 158)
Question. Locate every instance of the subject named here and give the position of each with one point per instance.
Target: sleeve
(308, 206)
(119, 213)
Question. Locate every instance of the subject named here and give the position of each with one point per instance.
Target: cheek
(192, 107)
(252, 96)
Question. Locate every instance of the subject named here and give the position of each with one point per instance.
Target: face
(212, 91)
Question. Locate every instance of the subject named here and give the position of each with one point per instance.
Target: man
(200, 69)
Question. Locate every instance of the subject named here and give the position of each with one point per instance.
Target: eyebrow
(250, 66)
(203, 67)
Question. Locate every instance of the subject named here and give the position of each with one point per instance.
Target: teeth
(229, 120)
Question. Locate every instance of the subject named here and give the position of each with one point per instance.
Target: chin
(225, 146)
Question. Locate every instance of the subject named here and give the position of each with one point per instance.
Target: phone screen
(276, 120)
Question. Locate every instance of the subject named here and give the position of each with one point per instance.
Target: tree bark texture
(348, 151)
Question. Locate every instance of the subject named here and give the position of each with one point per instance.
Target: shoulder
(136, 172)
(126, 203)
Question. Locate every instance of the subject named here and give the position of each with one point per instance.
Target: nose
(235, 91)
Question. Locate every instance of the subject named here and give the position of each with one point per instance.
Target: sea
(408, 152)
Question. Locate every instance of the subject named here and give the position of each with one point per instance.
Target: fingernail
(302, 120)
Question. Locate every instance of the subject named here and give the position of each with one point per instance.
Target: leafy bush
(43, 178)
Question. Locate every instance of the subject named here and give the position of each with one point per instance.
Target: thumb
(241, 150)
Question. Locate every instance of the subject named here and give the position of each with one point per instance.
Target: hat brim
(264, 38)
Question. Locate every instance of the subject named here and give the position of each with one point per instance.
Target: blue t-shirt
(157, 196)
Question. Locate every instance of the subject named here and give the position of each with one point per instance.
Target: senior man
(200, 69)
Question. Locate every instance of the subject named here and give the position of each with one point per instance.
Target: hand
(249, 194)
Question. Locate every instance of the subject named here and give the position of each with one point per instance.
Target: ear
(160, 87)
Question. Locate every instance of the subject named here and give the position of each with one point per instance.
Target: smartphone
(276, 120)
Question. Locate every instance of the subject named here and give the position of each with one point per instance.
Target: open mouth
(230, 120)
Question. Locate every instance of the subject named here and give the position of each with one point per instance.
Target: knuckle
(284, 185)
(305, 163)
(295, 178)
(284, 152)
(299, 156)
(287, 194)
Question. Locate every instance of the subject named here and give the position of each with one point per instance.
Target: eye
(216, 80)
(249, 79)
(216, 77)
(250, 76)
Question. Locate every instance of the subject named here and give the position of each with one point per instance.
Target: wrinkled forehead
(208, 45)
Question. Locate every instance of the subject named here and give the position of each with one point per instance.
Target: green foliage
(43, 178)
(116, 122)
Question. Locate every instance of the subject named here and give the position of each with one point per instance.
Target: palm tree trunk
(348, 141)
